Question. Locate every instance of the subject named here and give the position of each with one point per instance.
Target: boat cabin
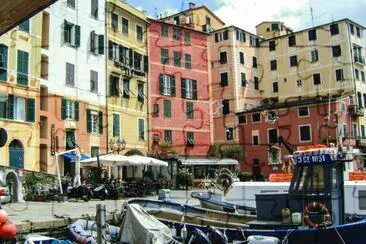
(316, 193)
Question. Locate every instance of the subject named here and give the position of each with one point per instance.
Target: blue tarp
(72, 156)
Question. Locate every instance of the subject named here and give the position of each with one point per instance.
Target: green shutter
(77, 35)
(76, 111)
(161, 84)
(2, 106)
(146, 63)
(11, 106)
(167, 108)
(100, 118)
(141, 129)
(63, 109)
(110, 49)
(120, 51)
(22, 67)
(130, 53)
(172, 84)
(183, 85)
(30, 110)
(194, 85)
(3, 63)
(116, 131)
(65, 31)
(189, 110)
(88, 121)
(101, 44)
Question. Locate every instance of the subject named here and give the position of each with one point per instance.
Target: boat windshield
(310, 179)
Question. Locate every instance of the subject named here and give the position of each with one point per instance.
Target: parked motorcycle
(80, 192)
(100, 192)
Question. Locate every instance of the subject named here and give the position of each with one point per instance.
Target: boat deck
(274, 225)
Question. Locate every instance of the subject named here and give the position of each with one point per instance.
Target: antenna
(156, 13)
(311, 13)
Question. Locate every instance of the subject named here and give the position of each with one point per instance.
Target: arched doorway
(16, 154)
(11, 181)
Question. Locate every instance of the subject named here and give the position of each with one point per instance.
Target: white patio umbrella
(142, 160)
(107, 160)
(77, 180)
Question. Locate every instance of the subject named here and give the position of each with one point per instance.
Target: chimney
(191, 5)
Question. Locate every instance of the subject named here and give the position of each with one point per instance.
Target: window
(336, 50)
(125, 26)
(96, 43)
(312, 35)
(272, 45)
(126, 88)
(256, 83)
(351, 29)
(299, 83)
(190, 139)
(334, 29)
(243, 79)
(189, 110)
(363, 134)
(167, 108)
(225, 106)
(164, 32)
(357, 53)
(94, 121)
(339, 75)
(71, 34)
(293, 61)
(177, 59)
(3, 62)
(116, 125)
(141, 129)
(316, 79)
(114, 89)
(253, 41)
(94, 8)
(240, 36)
(355, 130)
(187, 37)
(358, 32)
(189, 88)
(275, 27)
(364, 100)
(229, 134)
(22, 67)
(242, 119)
(275, 87)
(254, 62)
(256, 117)
(93, 81)
(24, 26)
(138, 61)
(139, 33)
(113, 50)
(303, 111)
(272, 136)
(176, 33)
(222, 36)
(223, 58)
(255, 137)
(241, 57)
(140, 92)
(167, 85)
(164, 53)
(273, 65)
(114, 21)
(19, 108)
(363, 76)
(168, 136)
(357, 74)
(314, 56)
(187, 61)
(156, 110)
(71, 3)
(291, 41)
(70, 74)
(305, 133)
(94, 151)
(224, 79)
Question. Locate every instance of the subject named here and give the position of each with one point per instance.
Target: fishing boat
(312, 211)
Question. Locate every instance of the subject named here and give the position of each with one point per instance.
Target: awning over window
(72, 156)
(207, 161)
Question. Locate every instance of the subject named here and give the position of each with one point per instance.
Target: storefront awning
(207, 161)
(72, 156)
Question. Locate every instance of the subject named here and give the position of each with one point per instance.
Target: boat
(311, 211)
(175, 212)
(39, 239)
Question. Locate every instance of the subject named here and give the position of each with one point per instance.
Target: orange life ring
(316, 207)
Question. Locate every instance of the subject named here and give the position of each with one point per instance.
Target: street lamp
(117, 145)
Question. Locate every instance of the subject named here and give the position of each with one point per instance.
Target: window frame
(124, 30)
(139, 36)
(260, 118)
(317, 81)
(116, 130)
(310, 131)
(293, 61)
(302, 109)
(273, 65)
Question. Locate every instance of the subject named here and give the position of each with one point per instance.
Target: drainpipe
(106, 73)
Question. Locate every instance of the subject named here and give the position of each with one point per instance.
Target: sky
(246, 14)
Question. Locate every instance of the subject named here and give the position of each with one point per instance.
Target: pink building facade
(179, 89)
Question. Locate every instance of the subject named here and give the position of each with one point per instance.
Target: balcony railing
(354, 110)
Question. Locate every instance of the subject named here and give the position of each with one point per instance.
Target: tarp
(72, 156)
(207, 161)
(140, 227)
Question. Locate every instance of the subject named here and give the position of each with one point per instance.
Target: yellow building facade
(20, 65)
(127, 65)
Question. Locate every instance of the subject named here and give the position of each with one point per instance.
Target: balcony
(359, 59)
(356, 111)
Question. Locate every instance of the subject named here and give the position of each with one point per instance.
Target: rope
(285, 239)
(340, 237)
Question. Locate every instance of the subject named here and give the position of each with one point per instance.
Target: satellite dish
(3, 137)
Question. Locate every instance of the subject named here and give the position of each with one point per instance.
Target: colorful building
(72, 104)
(20, 56)
(127, 72)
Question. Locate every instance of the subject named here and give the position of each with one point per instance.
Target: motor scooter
(100, 192)
(83, 192)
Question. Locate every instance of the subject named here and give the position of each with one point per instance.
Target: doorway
(16, 154)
